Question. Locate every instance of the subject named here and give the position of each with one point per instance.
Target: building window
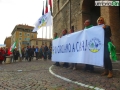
(28, 39)
(25, 42)
(72, 27)
(25, 39)
(19, 38)
(28, 44)
(32, 36)
(28, 34)
(25, 34)
(20, 33)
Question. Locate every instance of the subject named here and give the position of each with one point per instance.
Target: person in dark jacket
(26, 53)
(107, 35)
(49, 53)
(36, 52)
(30, 53)
(45, 52)
(41, 52)
(15, 55)
(23, 53)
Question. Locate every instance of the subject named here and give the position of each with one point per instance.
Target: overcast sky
(13, 12)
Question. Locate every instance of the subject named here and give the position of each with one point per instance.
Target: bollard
(8, 59)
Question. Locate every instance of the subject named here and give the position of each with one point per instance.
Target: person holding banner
(73, 65)
(55, 37)
(66, 64)
(30, 53)
(87, 25)
(107, 35)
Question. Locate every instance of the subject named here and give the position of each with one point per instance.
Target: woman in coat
(2, 55)
(107, 60)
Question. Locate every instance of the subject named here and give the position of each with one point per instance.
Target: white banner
(19, 48)
(86, 46)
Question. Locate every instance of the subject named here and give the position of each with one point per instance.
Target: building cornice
(40, 39)
(23, 28)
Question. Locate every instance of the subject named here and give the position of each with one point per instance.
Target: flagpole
(50, 3)
(42, 35)
(52, 31)
(49, 32)
(46, 32)
(42, 27)
(46, 11)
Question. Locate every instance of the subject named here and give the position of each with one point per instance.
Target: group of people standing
(107, 38)
(4, 51)
(43, 52)
(27, 53)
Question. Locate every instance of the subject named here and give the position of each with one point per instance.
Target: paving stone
(35, 75)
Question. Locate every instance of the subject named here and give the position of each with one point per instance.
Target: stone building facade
(69, 14)
(7, 42)
(41, 41)
(23, 34)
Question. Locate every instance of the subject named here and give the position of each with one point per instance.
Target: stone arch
(89, 11)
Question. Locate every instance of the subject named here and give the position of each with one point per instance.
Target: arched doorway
(90, 11)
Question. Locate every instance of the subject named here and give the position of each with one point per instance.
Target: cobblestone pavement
(35, 75)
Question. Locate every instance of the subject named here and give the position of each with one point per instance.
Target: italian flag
(13, 46)
(9, 52)
(46, 9)
(50, 3)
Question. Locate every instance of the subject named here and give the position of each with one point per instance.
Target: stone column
(112, 18)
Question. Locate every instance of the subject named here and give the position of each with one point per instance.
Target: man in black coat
(45, 52)
(30, 53)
